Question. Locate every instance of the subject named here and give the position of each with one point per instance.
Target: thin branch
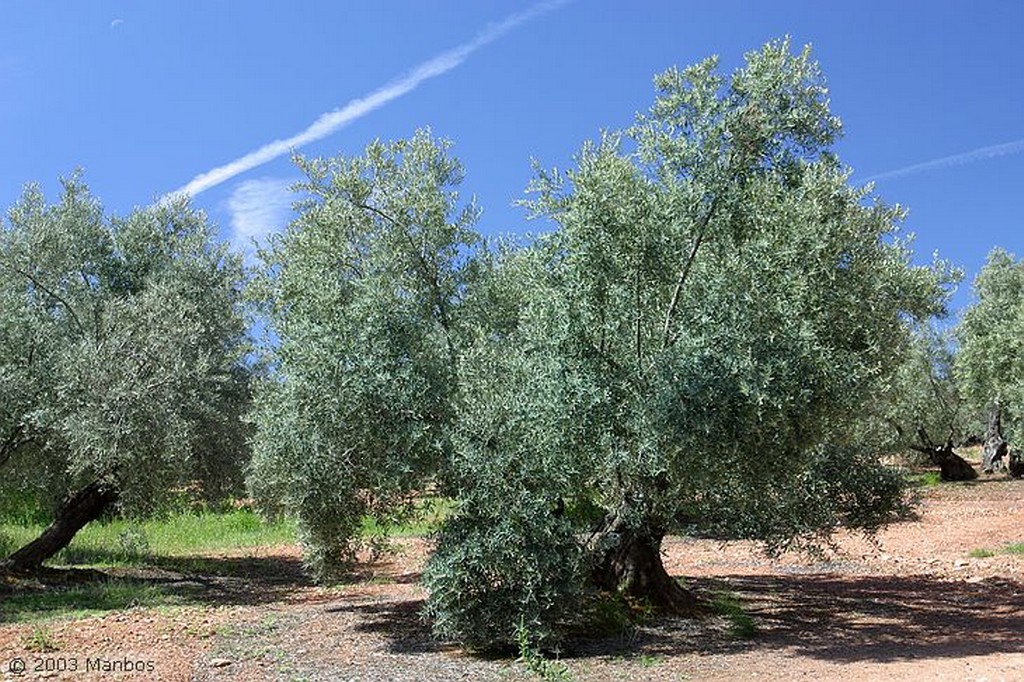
(922, 435)
(937, 391)
(95, 307)
(639, 315)
(895, 425)
(602, 354)
(51, 294)
(159, 383)
(684, 273)
(374, 209)
(430, 273)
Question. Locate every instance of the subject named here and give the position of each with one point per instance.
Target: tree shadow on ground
(157, 581)
(980, 480)
(883, 618)
(112, 580)
(843, 619)
(400, 622)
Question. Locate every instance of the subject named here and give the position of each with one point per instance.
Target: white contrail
(357, 108)
(982, 154)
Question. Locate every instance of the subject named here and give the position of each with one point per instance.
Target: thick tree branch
(77, 510)
(952, 466)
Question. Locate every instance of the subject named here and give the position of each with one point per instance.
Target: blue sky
(148, 96)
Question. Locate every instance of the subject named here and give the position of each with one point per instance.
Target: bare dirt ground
(914, 605)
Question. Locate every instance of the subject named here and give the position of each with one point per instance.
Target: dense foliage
(689, 350)
(990, 359)
(363, 293)
(718, 336)
(120, 351)
(922, 398)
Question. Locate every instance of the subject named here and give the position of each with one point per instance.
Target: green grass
(650, 660)
(608, 615)
(741, 624)
(41, 640)
(121, 541)
(186, 540)
(985, 552)
(924, 479)
(533, 660)
(127, 542)
(182, 537)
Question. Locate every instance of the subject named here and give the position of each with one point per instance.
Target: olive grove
(990, 358)
(121, 351)
(691, 348)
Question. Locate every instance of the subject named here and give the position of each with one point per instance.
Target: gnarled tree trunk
(74, 513)
(996, 447)
(952, 467)
(629, 560)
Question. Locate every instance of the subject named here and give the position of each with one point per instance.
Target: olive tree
(362, 293)
(925, 395)
(691, 352)
(691, 349)
(923, 400)
(121, 358)
(990, 360)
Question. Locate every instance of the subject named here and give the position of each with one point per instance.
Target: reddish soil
(912, 605)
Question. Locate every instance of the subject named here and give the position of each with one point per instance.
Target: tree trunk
(952, 467)
(996, 447)
(629, 560)
(74, 513)
(1016, 464)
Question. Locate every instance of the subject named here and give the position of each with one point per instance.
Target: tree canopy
(120, 352)
(990, 359)
(363, 293)
(689, 350)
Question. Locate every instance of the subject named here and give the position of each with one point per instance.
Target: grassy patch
(650, 660)
(121, 542)
(608, 614)
(532, 659)
(7, 543)
(741, 624)
(924, 479)
(184, 541)
(985, 552)
(22, 507)
(41, 641)
(124, 542)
